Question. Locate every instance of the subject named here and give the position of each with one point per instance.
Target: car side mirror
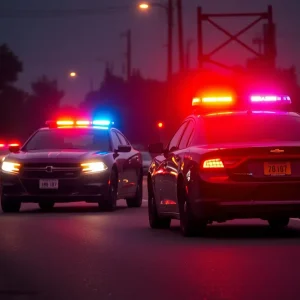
(156, 148)
(124, 148)
(14, 149)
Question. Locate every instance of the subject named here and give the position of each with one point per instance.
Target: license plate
(277, 168)
(48, 184)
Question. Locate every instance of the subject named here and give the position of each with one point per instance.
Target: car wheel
(110, 203)
(10, 204)
(46, 205)
(155, 221)
(189, 224)
(278, 223)
(137, 200)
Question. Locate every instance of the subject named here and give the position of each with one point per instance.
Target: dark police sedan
(228, 165)
(70, 161)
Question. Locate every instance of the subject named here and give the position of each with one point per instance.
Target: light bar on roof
(212, 100)
(64, 123)
(101, 122)
(270, 98)
(83, 123)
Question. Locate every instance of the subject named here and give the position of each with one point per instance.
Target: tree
(10, 66)
(44, 101)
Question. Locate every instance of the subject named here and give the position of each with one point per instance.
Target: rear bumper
(245, 200)
(89, 188)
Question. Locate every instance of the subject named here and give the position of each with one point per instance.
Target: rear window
(251, 128)
(65, 138)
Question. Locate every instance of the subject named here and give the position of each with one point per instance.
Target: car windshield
(251, 128)
(66, 138)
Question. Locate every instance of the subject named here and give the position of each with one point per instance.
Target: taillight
(215, 163)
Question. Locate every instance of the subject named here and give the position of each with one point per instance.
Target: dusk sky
(56, 46)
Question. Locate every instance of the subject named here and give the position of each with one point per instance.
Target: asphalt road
(77, 252)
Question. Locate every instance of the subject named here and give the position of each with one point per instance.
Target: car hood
(65, 156)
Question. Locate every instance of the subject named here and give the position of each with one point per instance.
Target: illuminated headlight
(93, 167)
(10, 167)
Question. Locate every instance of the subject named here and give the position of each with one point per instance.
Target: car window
(176, 138)
(186, 135)
(115, 140)
(122, 139)
(252, 128)
(66, 138)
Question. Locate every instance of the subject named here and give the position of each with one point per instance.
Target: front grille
(59, 171)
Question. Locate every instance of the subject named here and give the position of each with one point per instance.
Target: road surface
(77, 252)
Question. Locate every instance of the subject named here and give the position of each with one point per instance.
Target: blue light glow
(101, 127)
(101, 122)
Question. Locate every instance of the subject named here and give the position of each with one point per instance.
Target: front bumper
(89, 188)
(218, 202)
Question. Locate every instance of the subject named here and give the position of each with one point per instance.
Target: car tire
(137, 200)
(155, 221)
(46, 205)
(10, 204)
(279, 223)
(190, 226)
(110, 203)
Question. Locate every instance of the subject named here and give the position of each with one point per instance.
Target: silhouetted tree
(11, 98)
(10, 66)
(44, 102)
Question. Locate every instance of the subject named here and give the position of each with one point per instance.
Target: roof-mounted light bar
(270, 98)
(212, 100)
(102, 124)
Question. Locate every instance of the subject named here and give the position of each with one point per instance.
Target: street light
(160, 125)
(73, 74)
(144, 6)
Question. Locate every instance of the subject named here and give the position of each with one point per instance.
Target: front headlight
(10, 167)
(93, 167)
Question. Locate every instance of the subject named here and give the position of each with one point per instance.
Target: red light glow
(160, 125)
(83, 123)
(64, 123)
(213, 164)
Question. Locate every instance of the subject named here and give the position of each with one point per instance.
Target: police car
(72, 160)
(231, 159)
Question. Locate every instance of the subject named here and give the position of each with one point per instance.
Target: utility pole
(180, 36)
(170, 38)
(127, 35)
(188, 53)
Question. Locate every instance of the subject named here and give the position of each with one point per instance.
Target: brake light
(2, 145)
(215, 163)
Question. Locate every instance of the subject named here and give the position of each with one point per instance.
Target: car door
(175, 161)
(169, 173)
(130, 167)
(119, 158)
